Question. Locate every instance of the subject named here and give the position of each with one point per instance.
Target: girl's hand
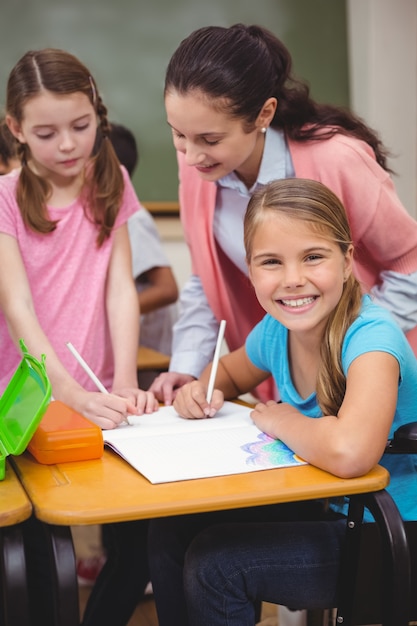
(269, 416)
(106, 410)
(190, 401)
(142, 401)
(166, 385)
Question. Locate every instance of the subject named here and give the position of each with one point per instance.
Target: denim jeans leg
(228, 568)
(169, 539)
(168, 542)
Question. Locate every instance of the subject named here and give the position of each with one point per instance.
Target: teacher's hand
(166, 385)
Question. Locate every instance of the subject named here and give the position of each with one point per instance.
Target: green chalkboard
(127, 44)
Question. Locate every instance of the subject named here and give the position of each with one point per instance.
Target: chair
(367, 607)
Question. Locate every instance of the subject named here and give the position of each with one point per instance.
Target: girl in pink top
(240, 119)
(64, 248)
(66, 277)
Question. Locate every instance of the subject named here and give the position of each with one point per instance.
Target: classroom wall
(127, 44)
(382, 45)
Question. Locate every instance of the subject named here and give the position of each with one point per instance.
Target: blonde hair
(314, 203)
(62, 73)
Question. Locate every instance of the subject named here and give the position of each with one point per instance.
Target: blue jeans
(214, 569)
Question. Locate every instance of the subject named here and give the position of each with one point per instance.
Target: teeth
(298, 302)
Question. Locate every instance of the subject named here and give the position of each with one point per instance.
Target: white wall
(382, 36)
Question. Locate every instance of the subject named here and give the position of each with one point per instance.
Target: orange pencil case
(64, 435)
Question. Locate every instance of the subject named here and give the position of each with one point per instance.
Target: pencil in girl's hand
(88, 370)
(215, 363)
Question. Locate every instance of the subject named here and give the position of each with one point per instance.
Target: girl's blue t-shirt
(373, 330)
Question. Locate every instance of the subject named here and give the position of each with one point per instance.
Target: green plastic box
(22, 406)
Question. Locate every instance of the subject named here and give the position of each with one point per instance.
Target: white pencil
(90, 372)
(215, 363)
(86, 368)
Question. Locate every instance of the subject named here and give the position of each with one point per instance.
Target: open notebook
(166, 448)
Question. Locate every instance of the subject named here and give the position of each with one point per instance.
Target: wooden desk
(149, 359)
(109, 490)
(15, 507)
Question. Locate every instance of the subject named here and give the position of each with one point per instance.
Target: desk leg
(52, 577)
(395, 559)
(13, 577)
(66, 602)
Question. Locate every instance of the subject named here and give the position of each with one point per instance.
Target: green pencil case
(22, 406)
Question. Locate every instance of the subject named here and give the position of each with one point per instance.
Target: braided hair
(60, 72)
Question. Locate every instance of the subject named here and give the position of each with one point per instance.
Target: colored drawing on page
(268, 452)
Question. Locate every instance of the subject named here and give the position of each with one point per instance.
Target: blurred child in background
(8, 145)
(154, 279)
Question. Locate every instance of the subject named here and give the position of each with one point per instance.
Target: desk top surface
(110, 490)
(151, 359)
(15, 505)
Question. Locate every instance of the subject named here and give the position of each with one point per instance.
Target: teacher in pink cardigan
(239, 119)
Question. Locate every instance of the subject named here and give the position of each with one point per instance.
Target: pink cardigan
(385, 235)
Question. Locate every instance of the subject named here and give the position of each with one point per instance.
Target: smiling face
(212, 141)
(297, 272)
(60, 131)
